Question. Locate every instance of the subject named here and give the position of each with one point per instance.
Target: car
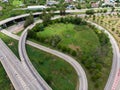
(1, 57)
(0, 28)
(69, 7)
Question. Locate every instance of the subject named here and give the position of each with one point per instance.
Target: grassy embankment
(54, 70)
(85, 42)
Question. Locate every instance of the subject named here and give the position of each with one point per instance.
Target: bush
(74, 53)
(64, 49)
(38, 27)
(32, 34)
(105, 10)
(113, 29)
(54, 40)
(78, 6)
(90, 12)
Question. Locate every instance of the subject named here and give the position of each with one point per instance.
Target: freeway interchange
(112, 84)
(82, 77)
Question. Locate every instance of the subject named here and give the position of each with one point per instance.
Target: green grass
(86, 40)
(5, 83)
(19, 33)
(54, 70)
(17, 3)
(58, 73)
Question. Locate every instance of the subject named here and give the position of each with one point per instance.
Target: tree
(113, 8)
(29, 20)
(90, 12)
(113, 29)
(105, 10)
(78, 6)
(32, 34)
(46, 17)
(38, 27)
(62, 8)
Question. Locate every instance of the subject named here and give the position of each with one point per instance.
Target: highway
(15, 70)
(30, 70)
(38, 13)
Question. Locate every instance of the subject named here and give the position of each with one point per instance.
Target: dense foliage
(29, 20)
(90, 12)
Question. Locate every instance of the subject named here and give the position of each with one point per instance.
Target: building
(95, 4)
(50, 3)
(36, 7)
(4, 0)
(109, 3)
(68, 1)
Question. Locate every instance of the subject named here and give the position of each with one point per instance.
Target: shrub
(38, 27)
(32, 34)
(78, 6)
(74, 53)
(105, 10)
(64, 49)
(90, 12)
(54, 40)
(113, 29)
(29, 20)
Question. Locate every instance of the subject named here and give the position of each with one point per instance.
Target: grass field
(54, 70)
(85, 41)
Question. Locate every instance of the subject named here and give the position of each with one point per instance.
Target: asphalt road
(15, 70)
(16, 28)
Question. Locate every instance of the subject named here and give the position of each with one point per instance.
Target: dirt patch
(0, 8)
(76, 48)
(11, 44)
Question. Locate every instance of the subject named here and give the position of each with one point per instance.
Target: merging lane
(20, 79)
(28, 65)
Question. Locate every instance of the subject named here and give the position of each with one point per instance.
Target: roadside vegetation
(5, 83)
(111, 22)
(55, 71)
(83, 41)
